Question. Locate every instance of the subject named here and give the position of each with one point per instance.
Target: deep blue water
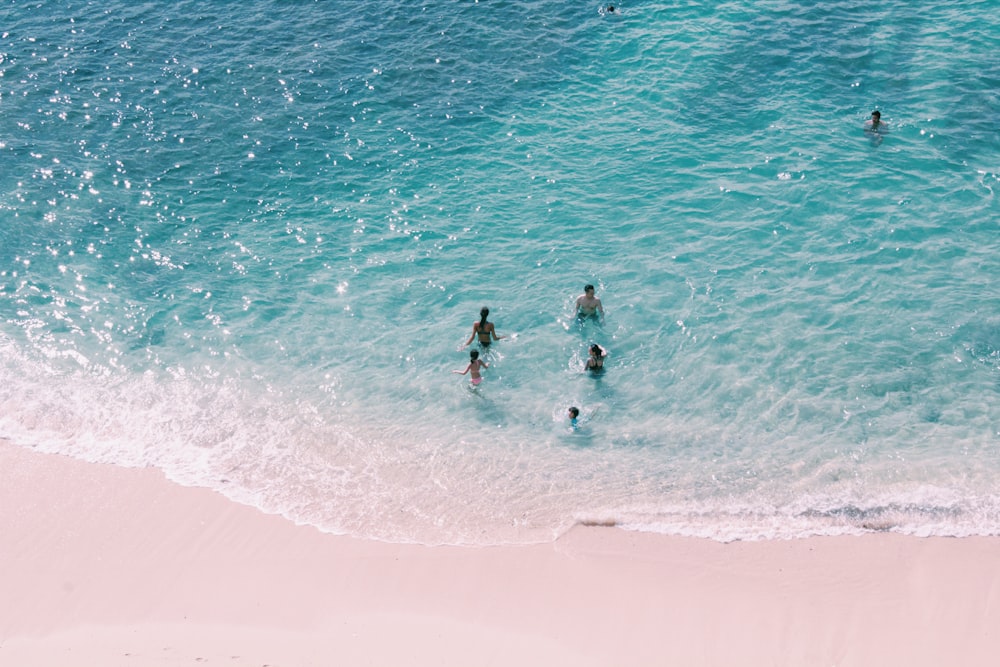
(245, 242)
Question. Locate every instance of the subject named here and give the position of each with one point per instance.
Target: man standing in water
(589, 306)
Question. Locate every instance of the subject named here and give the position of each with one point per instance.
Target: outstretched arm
(475, 330)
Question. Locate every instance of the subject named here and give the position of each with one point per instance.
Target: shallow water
(244, 244)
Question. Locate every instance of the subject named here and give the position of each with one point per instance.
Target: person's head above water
(597, 350)
(574, 413)
(483, 314)
(876, 117)
(588, 288)
(473, 355)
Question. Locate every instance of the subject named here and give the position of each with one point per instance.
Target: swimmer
(589, 306)
(595, 363)
(484, 330)
(474, 366)
(574, 418)
(875, 124)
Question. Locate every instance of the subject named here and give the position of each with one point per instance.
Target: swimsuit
(476, 381)
(481, 333)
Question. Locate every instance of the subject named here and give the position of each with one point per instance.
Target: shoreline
(116, 566)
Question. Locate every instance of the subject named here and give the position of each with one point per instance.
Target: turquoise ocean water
(244, 243)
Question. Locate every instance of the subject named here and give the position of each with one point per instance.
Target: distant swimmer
(474, 367)
(875, 124)
(484, 329)
(875, 127)
(589, 306)
(595, 363)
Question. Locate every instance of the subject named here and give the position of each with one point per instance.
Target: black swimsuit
(482, 334)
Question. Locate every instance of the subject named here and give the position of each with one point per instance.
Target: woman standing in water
(595, 363)
(484, 329)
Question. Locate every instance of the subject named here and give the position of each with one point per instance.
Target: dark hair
(597, 349)
(473, 355)
(587, 288)
(483, 314)
(575, 412)
(876, 114)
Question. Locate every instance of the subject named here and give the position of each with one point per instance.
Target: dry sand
(103, 566)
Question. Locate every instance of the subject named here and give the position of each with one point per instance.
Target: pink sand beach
(106, 566)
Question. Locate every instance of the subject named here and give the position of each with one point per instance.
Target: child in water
(474, 365)
(576, 421)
